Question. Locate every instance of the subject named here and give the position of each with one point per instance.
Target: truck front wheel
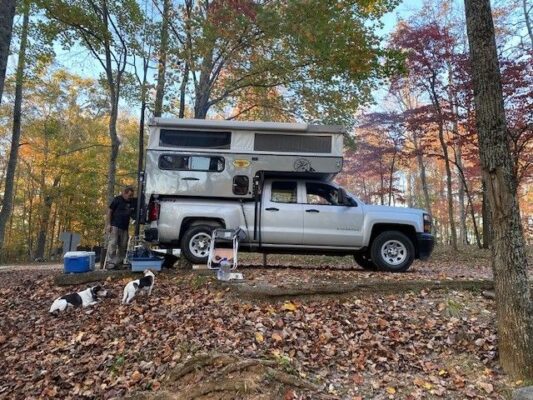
(392, 251)
(195, 243)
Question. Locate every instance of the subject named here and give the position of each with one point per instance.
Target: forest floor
(197, 339)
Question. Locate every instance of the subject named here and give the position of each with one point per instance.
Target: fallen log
(265, 290)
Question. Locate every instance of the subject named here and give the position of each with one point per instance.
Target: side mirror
(343, 198)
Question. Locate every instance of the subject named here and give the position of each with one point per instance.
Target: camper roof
(246, 125)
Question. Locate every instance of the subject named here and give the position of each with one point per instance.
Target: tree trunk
(514, 308)
(463, 237)
(471, 203)
(422, 169)
(452, 99)
(52, 232)
(115, 145)
(44, 222)
(183, 88)
(114, 84)
(6, 27)
(391, 175)
(163, 49)
(203, 89)
(486, 218)
(7, 204)
(528, 22)
(448, 186)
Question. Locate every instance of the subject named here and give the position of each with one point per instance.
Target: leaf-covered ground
(405, 346)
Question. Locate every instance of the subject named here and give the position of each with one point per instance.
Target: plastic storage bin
(77, 262)
(142, 263)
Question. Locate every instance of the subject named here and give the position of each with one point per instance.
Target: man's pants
(117, 246)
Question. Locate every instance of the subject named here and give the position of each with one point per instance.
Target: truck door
(281, 214)
(326, 223)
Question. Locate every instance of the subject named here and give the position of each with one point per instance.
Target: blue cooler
(77, 262)
(142, 263)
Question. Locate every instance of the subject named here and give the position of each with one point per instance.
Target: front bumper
(425, 244)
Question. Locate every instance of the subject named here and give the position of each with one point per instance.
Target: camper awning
(246, 125)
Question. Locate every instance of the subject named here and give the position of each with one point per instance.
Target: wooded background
(407, 98)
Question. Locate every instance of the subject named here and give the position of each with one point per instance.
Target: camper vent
(196, 139)
(292, 143)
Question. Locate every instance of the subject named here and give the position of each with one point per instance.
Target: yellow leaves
(289, 306)
(390, 390)
(259, 338)
(271, 310)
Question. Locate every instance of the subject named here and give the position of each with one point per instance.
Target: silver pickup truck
(296, 216)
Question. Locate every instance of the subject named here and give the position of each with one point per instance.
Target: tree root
(240, 365)
(198, 362)
(290, 380)
(224, 376)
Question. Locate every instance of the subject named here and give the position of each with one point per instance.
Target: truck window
(320, 193)
(198, 139)
(177, 162)
(284, 192)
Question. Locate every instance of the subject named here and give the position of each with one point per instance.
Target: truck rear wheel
(392, 251)
(195, 243)
(364, 262)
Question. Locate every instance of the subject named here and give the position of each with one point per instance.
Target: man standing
(117, 223)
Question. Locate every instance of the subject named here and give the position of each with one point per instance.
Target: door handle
(190, 179)
(312, 210)
(272, 209)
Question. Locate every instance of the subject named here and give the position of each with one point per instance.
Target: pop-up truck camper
(274, 182)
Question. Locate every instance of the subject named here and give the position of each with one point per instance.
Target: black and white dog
(85, 298)
(146, 283)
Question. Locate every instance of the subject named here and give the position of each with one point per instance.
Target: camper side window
(191, 163)
(198, 139)
(284, 192)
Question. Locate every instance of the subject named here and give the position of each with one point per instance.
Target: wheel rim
(393, 252)
(199, 244)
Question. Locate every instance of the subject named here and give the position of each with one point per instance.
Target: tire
(195, 243)
(392, 251)
(364, 262)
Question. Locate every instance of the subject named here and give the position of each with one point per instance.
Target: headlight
(427, 223)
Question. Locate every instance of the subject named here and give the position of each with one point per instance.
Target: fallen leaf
(259, 337)
(277, 337)
(487, 387)
(358, 379)
(390, 390)
(289, 306)
(136, 376)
